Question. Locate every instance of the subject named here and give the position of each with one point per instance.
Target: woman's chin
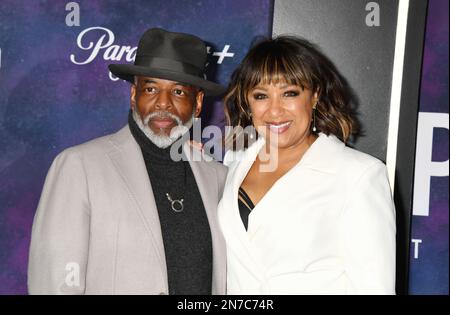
(279, 142)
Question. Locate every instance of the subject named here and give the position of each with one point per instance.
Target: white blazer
(325, 227)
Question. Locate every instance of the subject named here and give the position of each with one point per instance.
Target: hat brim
(127, 72)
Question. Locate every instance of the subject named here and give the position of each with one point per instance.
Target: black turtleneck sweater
(186, 235)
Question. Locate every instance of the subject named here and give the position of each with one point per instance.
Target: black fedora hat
(172, 56)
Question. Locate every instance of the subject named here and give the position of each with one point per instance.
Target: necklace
(177, 204)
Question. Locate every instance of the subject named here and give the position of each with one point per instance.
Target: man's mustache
(162, 115)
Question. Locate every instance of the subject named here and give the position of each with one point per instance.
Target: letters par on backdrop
(105, 45)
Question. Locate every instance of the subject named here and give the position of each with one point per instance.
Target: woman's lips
(279, 128)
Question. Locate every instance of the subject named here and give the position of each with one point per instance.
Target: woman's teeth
(279, 128)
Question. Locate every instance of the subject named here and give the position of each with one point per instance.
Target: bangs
(275, 68)
(293, 61)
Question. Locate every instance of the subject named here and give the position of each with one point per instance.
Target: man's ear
(199, 103)
(133, 97)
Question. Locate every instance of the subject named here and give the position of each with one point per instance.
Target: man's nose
(164, 100)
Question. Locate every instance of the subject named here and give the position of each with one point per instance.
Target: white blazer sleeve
(369, 234)
(60, 235)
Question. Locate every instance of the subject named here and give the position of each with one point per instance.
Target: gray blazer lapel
(206, 179)
(128, 160)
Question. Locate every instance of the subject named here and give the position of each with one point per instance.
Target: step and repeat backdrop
(429, 237)
(56, 92)
(382, 48)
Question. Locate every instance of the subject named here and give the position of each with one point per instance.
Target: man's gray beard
(161, 140)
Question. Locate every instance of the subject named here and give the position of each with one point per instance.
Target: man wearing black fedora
(118, 215)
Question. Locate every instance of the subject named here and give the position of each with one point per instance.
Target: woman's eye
(259, 96)
(291, 93)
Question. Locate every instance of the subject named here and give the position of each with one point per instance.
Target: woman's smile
(279, 127)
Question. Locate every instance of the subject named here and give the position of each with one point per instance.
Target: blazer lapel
(317, 157)
(237, 234)
(128, 160)
(210, 196)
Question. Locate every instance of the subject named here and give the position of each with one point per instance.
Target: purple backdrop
(429, 250)
(48, 103)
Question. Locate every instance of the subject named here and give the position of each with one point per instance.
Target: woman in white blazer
(301, 212)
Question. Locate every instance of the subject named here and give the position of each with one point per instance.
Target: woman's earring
(314, 129)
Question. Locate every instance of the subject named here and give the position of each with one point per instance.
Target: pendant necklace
(177, 204)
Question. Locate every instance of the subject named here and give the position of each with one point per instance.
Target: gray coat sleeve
(60, 234)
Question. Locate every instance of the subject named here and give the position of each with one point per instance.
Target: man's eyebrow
(183, 84)
(149, 81)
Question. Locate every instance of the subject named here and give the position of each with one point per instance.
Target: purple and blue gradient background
(429, 273)
(48, 103)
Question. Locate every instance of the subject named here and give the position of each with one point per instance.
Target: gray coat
(97, 230)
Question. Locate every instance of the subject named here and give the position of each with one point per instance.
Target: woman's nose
(275, 106)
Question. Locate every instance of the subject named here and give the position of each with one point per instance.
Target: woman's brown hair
(294, 61)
